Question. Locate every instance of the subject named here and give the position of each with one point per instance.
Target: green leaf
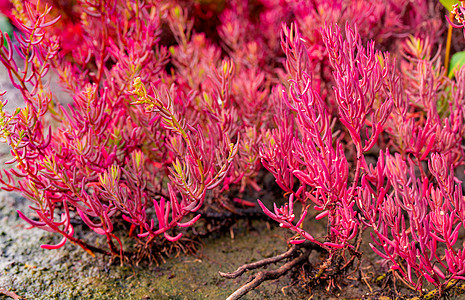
(5, 26)
(448, 3)
(457, 60)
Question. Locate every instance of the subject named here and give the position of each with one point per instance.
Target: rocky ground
(70, 273)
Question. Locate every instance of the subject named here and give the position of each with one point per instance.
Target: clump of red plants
(177, 105)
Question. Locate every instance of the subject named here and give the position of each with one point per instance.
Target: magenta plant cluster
(175, 102)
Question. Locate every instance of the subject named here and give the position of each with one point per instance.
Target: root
(237, 212)
(157, 250)
(262, 276)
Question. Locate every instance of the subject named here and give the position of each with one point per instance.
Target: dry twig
(10, 294)
(257, 279)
